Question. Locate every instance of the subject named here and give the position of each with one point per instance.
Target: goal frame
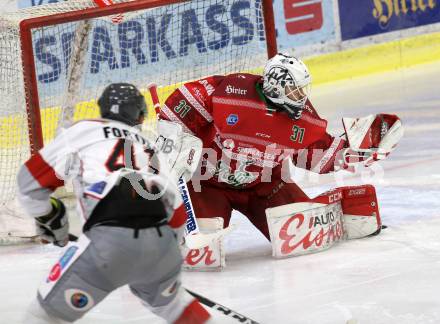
(35, 131)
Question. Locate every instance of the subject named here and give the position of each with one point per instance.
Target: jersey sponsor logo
(97, 187)
(198, 94)
(78, 300)
(166, 144)
(57, 269)
(337, 196)
(68, 255)
(191, 224)
(232, 119)
(190, 159)
(238, 178)
(208, 87)
(54, 273)
(228, 144)
(262, 135)
(230, 89)
(256, 155)
(68, 259)
(170, 290)
(383, 129)
(307, 107)
(357, 192)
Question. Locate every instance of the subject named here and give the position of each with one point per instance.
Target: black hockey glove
(54, 227)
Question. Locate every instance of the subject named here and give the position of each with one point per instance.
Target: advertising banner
(372, 17)
(144, 41)
(303, 22)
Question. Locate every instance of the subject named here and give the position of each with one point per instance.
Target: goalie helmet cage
(56, 59)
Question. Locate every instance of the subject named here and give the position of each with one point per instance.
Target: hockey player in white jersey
(131, 212)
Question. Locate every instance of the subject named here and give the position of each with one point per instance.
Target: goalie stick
(223, 309)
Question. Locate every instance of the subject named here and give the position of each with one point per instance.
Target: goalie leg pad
(315, 225)
(210, 257)
(361, 211)
(304, 228)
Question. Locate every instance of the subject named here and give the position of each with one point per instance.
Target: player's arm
(37, 179)
(323, 155)
(190, 105)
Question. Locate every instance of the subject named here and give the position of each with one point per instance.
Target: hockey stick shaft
(223, 309)
(152, 88)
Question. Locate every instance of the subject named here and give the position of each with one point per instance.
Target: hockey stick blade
(71, 238)
(12, 240)
(223, 309)
(199, 240)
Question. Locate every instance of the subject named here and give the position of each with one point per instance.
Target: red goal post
(56, 59)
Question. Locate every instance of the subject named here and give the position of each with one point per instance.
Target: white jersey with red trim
(232, 117)
(94, 154)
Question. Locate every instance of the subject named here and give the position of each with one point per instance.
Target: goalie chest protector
(243, 120)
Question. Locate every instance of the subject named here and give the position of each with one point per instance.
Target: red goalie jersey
(249, 136)
(250, 125)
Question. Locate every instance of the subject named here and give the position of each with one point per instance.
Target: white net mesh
(76, 60)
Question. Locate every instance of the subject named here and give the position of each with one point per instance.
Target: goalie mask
(122, 102)
(286, 82)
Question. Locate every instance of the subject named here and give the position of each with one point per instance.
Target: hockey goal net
(56, 59)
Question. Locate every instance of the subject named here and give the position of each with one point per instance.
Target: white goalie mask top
(286, 82)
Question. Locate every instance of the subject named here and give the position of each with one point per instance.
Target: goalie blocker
(316, 225)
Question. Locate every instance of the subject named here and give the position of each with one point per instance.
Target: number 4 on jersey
(122, 156)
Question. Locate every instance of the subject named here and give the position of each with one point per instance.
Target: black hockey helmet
(122, 102)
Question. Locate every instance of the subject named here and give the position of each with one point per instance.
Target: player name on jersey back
(121, 132)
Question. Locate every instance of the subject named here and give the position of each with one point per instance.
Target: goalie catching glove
(371, 138)
(54, 227)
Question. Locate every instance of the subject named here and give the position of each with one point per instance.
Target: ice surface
(392, 278)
